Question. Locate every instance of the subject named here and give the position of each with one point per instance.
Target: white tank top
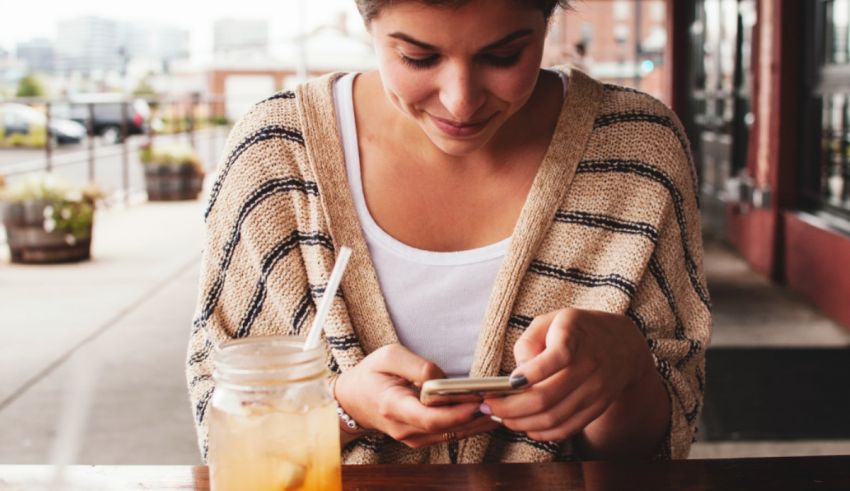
(436, 300)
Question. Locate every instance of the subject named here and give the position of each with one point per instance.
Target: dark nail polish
(518, 381)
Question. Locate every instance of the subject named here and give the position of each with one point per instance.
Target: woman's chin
(457, 146)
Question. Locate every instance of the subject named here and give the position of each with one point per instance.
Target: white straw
(325, 305)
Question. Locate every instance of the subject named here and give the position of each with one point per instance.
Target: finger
(403, 406)
(556, 414)
(539, 397)
(397, 360)
(556, 354)
(480, 425)
(571, 426)
(533, 340)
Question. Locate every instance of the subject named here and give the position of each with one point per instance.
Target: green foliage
(30, 86)
(219, 121)
(68, 217)
(171, 154)
(36, 137)
(144, 89)
(69, 209)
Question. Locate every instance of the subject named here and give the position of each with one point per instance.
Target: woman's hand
(379, 394)
(578, 363)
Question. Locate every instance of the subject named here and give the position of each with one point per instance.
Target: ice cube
(289, 475)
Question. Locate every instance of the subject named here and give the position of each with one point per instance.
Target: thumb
(401, 362)
(533, 340)
(555, 354)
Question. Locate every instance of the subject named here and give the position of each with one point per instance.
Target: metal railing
(197, 119)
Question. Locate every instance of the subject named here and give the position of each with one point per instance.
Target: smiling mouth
(456, 129)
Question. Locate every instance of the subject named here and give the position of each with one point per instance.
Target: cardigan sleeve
(671, 306)
(253, 279)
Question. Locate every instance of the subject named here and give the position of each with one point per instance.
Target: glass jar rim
(266, 360)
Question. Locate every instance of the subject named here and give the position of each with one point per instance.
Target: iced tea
(272, 423)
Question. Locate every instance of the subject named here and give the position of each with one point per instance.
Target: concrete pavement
(128, 311)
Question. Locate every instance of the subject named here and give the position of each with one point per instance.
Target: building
(38, 54)
(241, 79)
(235, 35)
(155, 42)
(11, 71)
(763, 87)
(89, 45)
(623, 41)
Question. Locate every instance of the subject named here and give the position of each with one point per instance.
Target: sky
(32, 19)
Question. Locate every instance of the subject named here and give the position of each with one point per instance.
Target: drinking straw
(325, 305)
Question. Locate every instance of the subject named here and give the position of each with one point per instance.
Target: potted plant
(48, 220)
(172, 172)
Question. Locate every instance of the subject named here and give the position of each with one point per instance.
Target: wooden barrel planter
(172, 182)
(29, 243)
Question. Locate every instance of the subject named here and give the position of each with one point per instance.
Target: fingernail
(485, 409)
(496, 419)
(518, 381)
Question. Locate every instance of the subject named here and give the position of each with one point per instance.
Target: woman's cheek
(517, 84)
(407, 87)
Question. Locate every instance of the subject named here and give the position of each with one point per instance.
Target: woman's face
(460, 74)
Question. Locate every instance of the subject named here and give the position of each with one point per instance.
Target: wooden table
(792, 474)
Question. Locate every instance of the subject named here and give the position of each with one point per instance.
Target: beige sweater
(611, 223)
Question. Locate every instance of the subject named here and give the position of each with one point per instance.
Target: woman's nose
(461, 93)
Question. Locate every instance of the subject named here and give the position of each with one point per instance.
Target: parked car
(108, 115)
(22, 124)
(67, 131)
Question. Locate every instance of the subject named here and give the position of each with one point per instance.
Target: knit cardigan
(611, 223)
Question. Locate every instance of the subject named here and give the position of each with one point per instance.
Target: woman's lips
(459, 130)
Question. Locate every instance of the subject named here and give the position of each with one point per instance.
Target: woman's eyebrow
(505, 40)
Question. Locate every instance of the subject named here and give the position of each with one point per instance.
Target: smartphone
(442, 391)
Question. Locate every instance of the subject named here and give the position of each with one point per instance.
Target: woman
(505, 220)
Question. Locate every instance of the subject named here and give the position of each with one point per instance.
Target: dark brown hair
(369, 9)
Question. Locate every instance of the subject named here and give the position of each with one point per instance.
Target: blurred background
(113, 117)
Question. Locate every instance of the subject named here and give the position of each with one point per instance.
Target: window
(838, 16)
(623, 9)
(657, 12)
(586, 32)
(825, 171)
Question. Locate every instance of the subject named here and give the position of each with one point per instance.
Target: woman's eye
(501, 60)
(420, 63)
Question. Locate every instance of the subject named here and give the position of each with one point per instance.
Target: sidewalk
(129, 310)
(750, 312)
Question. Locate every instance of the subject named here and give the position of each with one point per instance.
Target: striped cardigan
(611, 223)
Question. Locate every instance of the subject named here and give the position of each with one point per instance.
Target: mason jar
(273, 424)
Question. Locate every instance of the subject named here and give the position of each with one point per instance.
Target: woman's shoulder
(625, 104)
(636, 113)
(264, 149)
(282, 115)
(635, 131)
(276, 114)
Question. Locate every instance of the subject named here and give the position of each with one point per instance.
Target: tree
(30, 86)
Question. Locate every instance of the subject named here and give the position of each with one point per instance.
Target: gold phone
(442, 391)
